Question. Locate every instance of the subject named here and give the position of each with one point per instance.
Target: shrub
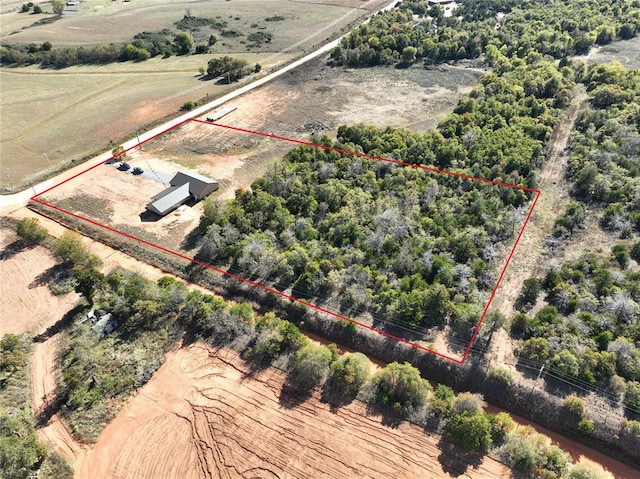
(632, 394)
(587, 471)
(556, 460)
(310, 365)
(202, 49)
(621, 254)
(502, 375)
(469, 402)
(469, 430)
(585, 426)
(350, 372)
(401, 386)
(521, 452)
(187, 106)
(574, 404)
(443, 399)
(501, 425)
(30, 231)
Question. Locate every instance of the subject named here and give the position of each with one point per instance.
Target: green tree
(621, 254)
(12, 356)
(68, 248)
(522, 452)
(233, 68)
(30, 231)
(350, 372)
(565, 363)
(530, 292)
(635, 252)
(58, 6)
(409, 55)
(574, 404)
(587, 471)
(586, 426)
(183, 42)
(472, 431)
(310, 366)
(88, 281)
(37, 9)
(401, 386)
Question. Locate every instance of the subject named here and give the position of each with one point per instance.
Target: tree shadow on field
(336, 397)
(192, 239)
(61, 324)
(388, 416)
(13, 249)
(292, 395)
(55, 272)
(455, 461)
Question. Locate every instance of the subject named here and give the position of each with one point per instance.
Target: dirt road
(553, 201)
(223, 421)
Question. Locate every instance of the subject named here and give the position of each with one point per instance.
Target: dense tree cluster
(144, 45)
(589, 326)
(231, 68)
(408, 246)
(418, 30)
(604, 149)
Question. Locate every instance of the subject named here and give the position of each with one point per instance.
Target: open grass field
(105, 21)
(51, 118)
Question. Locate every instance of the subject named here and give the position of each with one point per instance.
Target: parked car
(137, 171)
(124, 166)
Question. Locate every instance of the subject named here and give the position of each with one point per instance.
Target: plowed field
(27, 305)
(203, 414)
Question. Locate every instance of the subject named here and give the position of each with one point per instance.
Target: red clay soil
(203, 415)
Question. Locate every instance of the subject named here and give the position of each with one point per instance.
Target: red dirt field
(204, 415)
(27, 305)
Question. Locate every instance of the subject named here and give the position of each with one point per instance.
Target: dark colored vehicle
(137, 171)
(124, 166)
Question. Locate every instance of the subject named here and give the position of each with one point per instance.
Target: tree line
(100, 371)
(417, 30)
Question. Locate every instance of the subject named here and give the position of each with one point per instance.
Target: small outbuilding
(185, 186)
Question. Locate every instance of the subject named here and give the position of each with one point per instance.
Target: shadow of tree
(455, 461)
(61, 324)
(292, 396)
(389, 417)
(55, 272)
(336, 397)
(13, 249)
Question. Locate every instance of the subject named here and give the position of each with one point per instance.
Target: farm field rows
(227, 421)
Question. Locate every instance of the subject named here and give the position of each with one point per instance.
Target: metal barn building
(184, 187)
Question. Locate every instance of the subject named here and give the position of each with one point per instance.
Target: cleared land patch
(27, 305)
(203, 397)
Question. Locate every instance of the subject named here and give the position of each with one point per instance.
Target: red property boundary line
(459, 360)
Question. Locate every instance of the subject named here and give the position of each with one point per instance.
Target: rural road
(9, 203)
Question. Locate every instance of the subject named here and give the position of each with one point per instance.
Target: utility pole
(46, 157)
